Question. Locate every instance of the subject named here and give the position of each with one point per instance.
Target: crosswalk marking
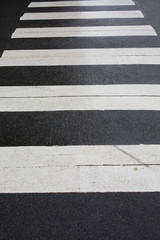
(75, 168)
(82, 15)
(79, 103)
(141, 30)
(80, 90)
(80, 179)
(153, 51)
(81, 3)
(66, 156)
(71, 61)
(67, 57)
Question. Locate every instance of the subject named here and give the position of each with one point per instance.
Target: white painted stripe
(91, 52)
(79, 104)
(81, 3)
(80, 169)
(60, 57)
(78, 91)
(107, 31)
(82, 15)
(85, 29)
(80, 179)
(102, 52)
(65, 156)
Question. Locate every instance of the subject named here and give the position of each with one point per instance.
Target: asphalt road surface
(80, 120)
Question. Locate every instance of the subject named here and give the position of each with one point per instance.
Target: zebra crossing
(80, 137)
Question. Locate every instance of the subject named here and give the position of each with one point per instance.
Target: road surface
(80, 119)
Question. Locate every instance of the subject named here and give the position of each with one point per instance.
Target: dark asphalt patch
(84, 42)
(88, 216)
(82, 22)
(80, 75)
(79, 128)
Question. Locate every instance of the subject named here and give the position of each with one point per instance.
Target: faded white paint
(81, 3)
(60, 57)
(80, 169)
(66, 98)
(107, 31)
(79, 103)
(80, 179)
(66, 156)
(80, 90)
(82, 15)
